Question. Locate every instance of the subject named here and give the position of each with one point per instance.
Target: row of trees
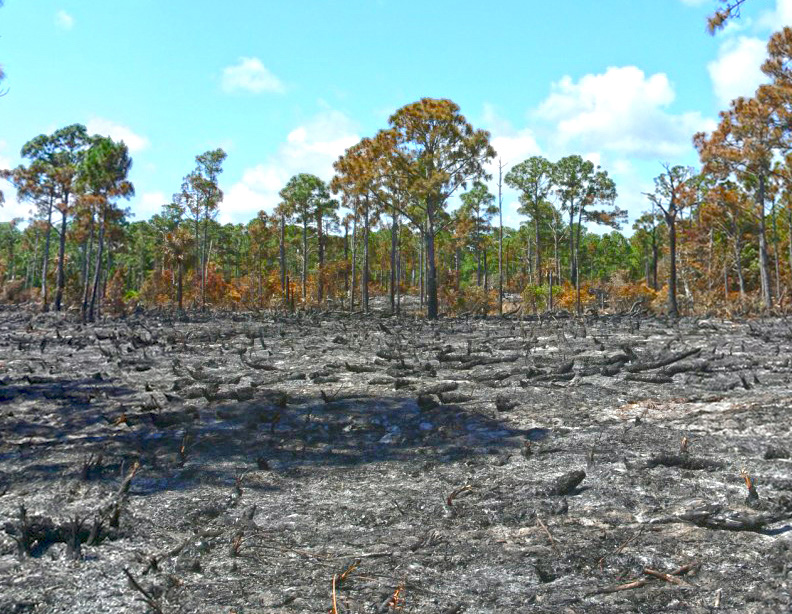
(383, 222)
(79, 178)
(268, 258)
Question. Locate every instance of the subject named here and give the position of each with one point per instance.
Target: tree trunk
(431, 277)
(738, 264)
(764, 269)
(673, 309)
(364, 278)
(394, 241)
(204, 258)
(320, 253)
(655, 258)
(528, 273)
(61, 281)
(775, 252)
(346, 258)
(710, 246)
(421, 267)
(572, 260)
(260, 271)
(398, 277)
(87, 269)
(486, 274)
(179, 293)
(45, 264)
(577, 234)
(282, 256)
(354, 265)
(537, 248)
(98, 269)
(304, 274)
(500, 239)
(725, 282)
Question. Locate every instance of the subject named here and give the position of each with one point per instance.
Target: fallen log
(662, 362)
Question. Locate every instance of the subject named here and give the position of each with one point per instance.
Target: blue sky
(285, 87)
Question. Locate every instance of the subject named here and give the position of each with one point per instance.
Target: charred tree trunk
(61, 281)
(346, 258)
(364, 278)
(577, 234)
(457, 267)
(354, 265)
(572, 258)
(398, 277)
(655, 259)
(738, 264)
(764, 268)
(431, 277)
(87, 269)
(537, 248)
(45, 263)
(394, 241)
(500, 239)
(421, 267)
(282, 256)
(320, 253)
(776, 259)
(486, 272)
(673, 309)
(98, 269)
(304, 272)
(204, 257)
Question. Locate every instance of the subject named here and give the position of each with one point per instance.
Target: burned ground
(270, 463)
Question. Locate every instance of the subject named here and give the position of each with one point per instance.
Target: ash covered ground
(272, 463)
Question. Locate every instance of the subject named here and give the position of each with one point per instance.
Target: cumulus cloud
(737, 69)
(63, 20)
(149, 204)
(117, 132)
(621, 111)
(511, 144)
(309, 148)
(12, 208)
(777, 18)
(250, 75)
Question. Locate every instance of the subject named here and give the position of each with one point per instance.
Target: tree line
(711, 237)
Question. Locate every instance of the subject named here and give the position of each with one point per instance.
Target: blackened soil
(262, 463)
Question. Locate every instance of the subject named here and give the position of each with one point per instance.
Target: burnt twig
(147, 597)
(462, 489)
(547, 532)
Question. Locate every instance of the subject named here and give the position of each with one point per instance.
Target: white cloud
(149, 204)
(309, 148)
(250, 75)
(5, 161)
(737, 70)
(12, 208)
(779, 17)
(63, 20)
(512, 145)
(117, 132)
(621, 111)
